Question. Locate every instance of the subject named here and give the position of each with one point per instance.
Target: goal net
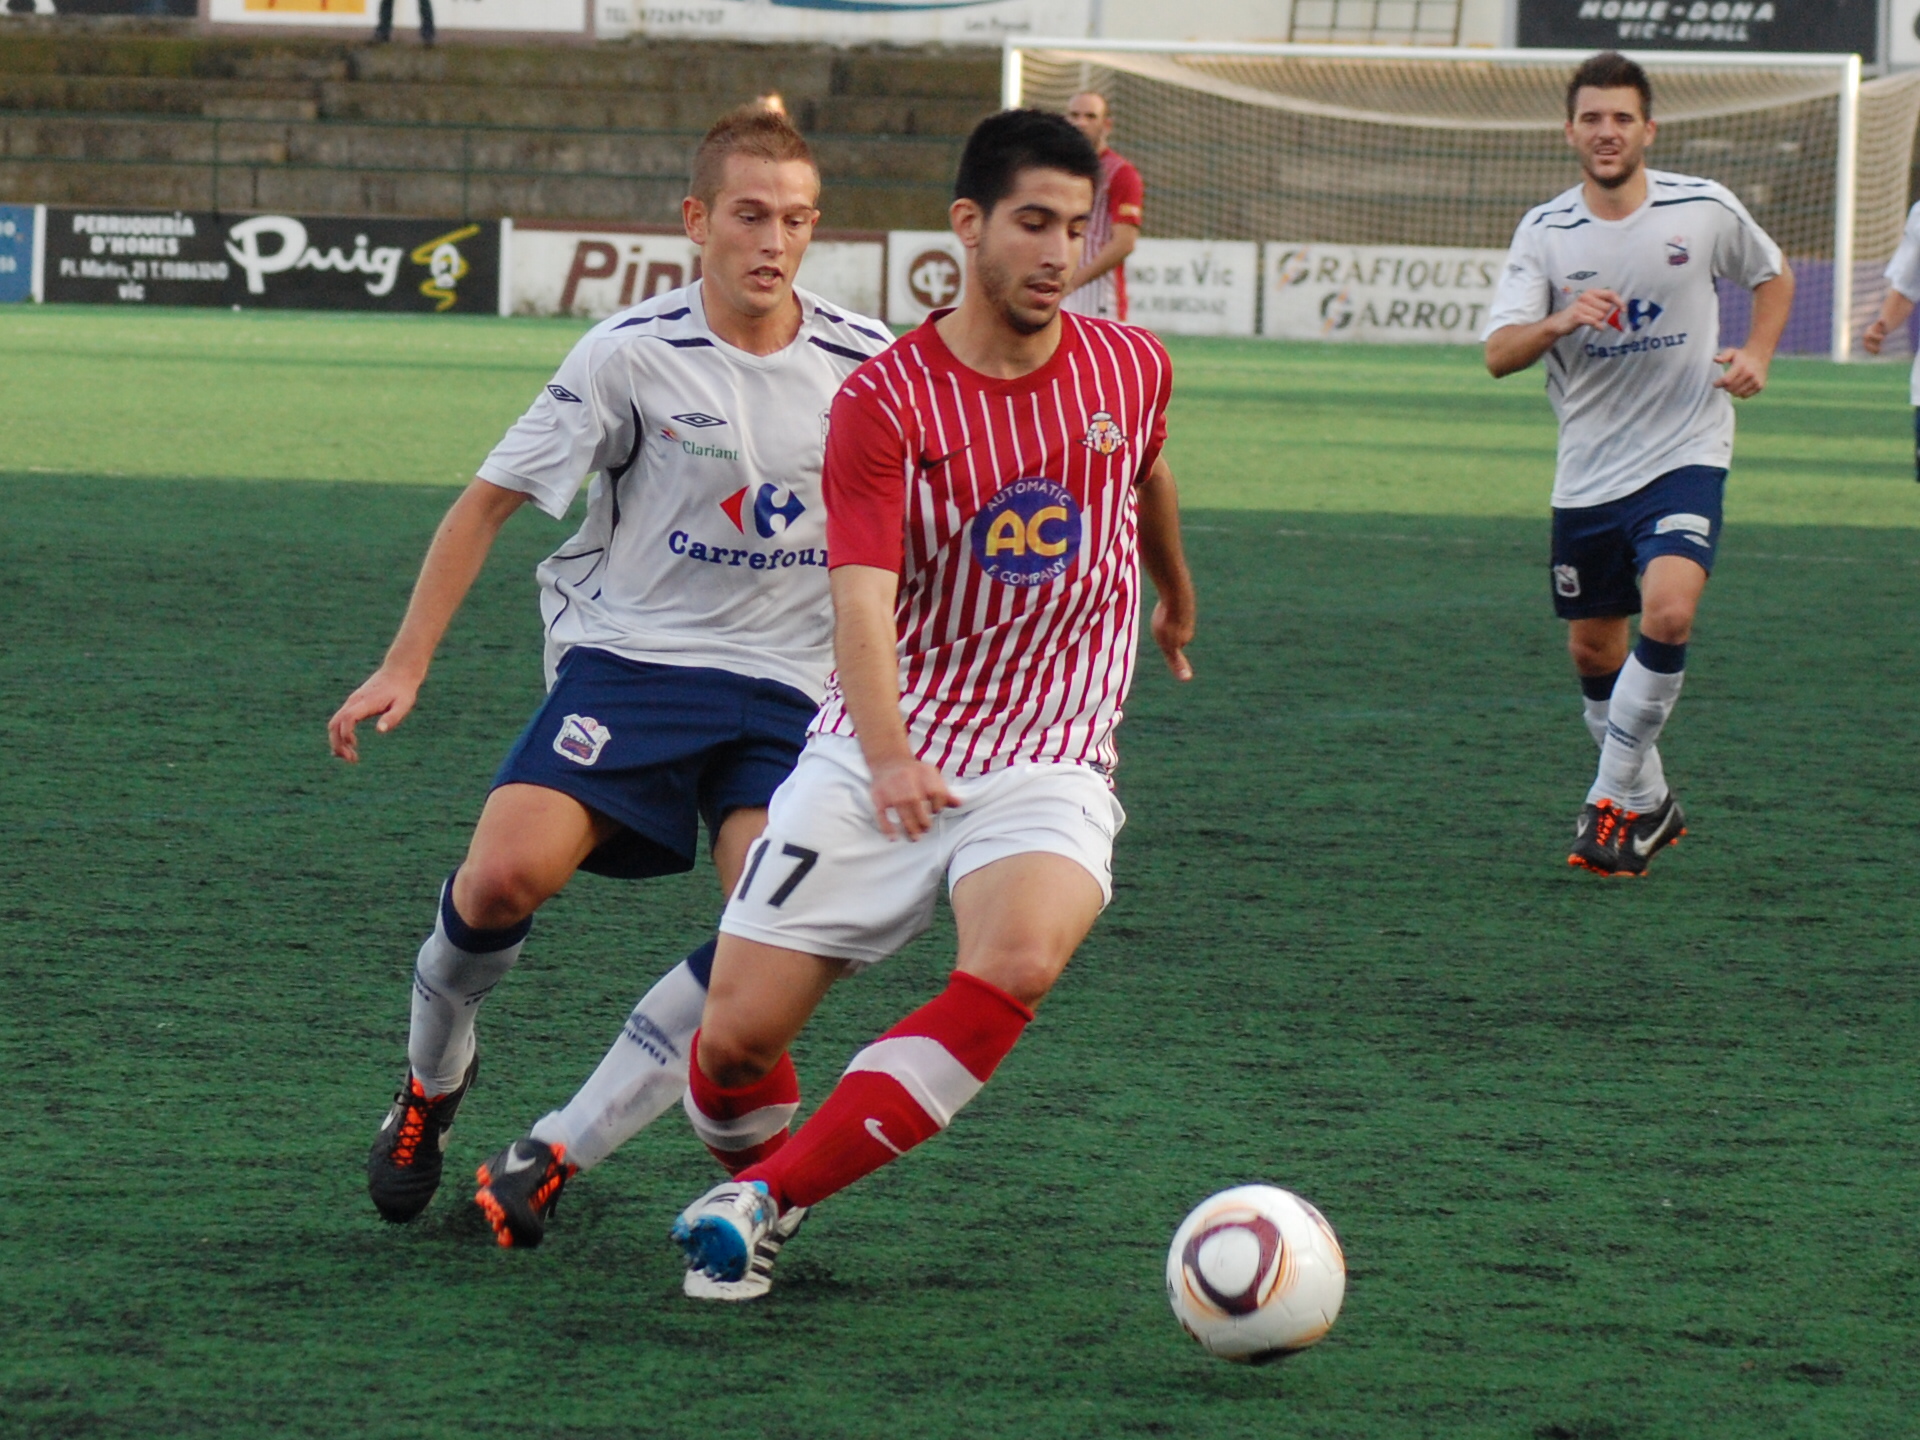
(1369, 145)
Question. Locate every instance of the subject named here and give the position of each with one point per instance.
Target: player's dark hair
(1003, 145)
(1610, 70)
(757, 130)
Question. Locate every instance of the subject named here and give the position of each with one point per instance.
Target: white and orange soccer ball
(1256, 1273)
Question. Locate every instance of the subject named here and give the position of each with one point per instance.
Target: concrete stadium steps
(123, 117)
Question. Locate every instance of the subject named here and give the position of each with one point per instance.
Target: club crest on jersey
(581, 739)
(1566, 582)
(764, 512)
(1104, 437)
(1677, 250)
(1028, 533)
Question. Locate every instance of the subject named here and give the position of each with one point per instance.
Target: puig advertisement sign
(275, 262)
(1391, 294)
(1824, 27)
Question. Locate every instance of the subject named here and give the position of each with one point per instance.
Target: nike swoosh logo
(932, 462)
(516, 1162)
(1653, 843)
(873, 1129)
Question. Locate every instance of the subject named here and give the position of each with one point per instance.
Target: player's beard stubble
(1002, 289)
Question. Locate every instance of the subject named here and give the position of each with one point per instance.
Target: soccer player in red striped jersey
(994, 484)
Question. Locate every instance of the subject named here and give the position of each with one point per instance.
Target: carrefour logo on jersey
(1630, 319)
(765, 511)
(1027, 534)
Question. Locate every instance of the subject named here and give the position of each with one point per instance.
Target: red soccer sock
(900, 1090)
(747, 1124)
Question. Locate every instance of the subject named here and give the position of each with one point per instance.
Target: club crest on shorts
(1027, 534)
(581, 739)
(1104, 437)
(1566, 582)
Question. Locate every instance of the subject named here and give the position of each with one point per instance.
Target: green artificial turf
(1609, 1160)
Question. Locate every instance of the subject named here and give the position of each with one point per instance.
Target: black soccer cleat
(1596, 839)
(403, 1168)
(1643, 836)
(519, 1189)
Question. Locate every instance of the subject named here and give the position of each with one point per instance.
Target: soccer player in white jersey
(1903, 290)
(688, 645)
(1613, 283)
(994, 484)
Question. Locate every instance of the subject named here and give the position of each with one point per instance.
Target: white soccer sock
(458, 966)
(1596, 718)
(1642, 700)
(642, 1076)
(1652, 779)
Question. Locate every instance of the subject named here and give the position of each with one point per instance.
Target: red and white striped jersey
(1007, 508)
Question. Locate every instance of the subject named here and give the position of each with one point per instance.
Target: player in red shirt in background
(1099, 286)
(993, 485)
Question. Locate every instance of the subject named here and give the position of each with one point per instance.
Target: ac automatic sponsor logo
(1027, 534)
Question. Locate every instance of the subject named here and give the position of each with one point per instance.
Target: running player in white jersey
(1903, 291)
(1613, 282)
(994, 484)
(688, 636)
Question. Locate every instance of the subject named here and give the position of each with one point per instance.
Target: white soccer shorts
(824, 880)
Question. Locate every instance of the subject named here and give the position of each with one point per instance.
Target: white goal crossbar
(1835, 77)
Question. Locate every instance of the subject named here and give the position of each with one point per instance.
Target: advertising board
(1194, 287)
(975, 22)
(16, 253)
(1826, 27)
(542, 16)
(563, 268)
(1384, 294)
(924, 273)
(270, 261)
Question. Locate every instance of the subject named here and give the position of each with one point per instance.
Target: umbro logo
(699, 420)
(1583, 274)
(561, 392)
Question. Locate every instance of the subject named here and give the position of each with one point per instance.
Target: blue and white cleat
(719, 1232)
(759, 1277)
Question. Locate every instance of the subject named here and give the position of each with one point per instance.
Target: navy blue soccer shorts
(659, 748)
(1600, 551)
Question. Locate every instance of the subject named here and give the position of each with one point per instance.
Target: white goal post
(1420, 145)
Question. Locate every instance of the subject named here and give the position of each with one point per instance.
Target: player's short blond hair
(754, 130)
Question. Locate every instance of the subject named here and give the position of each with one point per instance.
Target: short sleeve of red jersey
(864, 480)
(1157, 435)
(1126, 195)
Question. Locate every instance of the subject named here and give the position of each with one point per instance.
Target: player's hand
(907, 794)
(1173, 634)
(1590, 308)
(1875, 337)
(387, 694)
(1745, 375)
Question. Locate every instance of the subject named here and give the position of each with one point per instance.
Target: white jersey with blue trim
(705, 540)
(1635, 399)
(1903, 274)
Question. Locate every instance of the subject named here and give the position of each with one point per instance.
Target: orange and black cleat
(1642, 836)
(519, 1189)
(1596, 839)
(403, 1168)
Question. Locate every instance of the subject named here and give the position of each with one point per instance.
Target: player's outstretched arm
(1176, 611)
(907, 792)
(1515, 347)
(1746, 372)
(454, 558)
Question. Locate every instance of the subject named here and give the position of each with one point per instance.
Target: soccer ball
(1255, 1273)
